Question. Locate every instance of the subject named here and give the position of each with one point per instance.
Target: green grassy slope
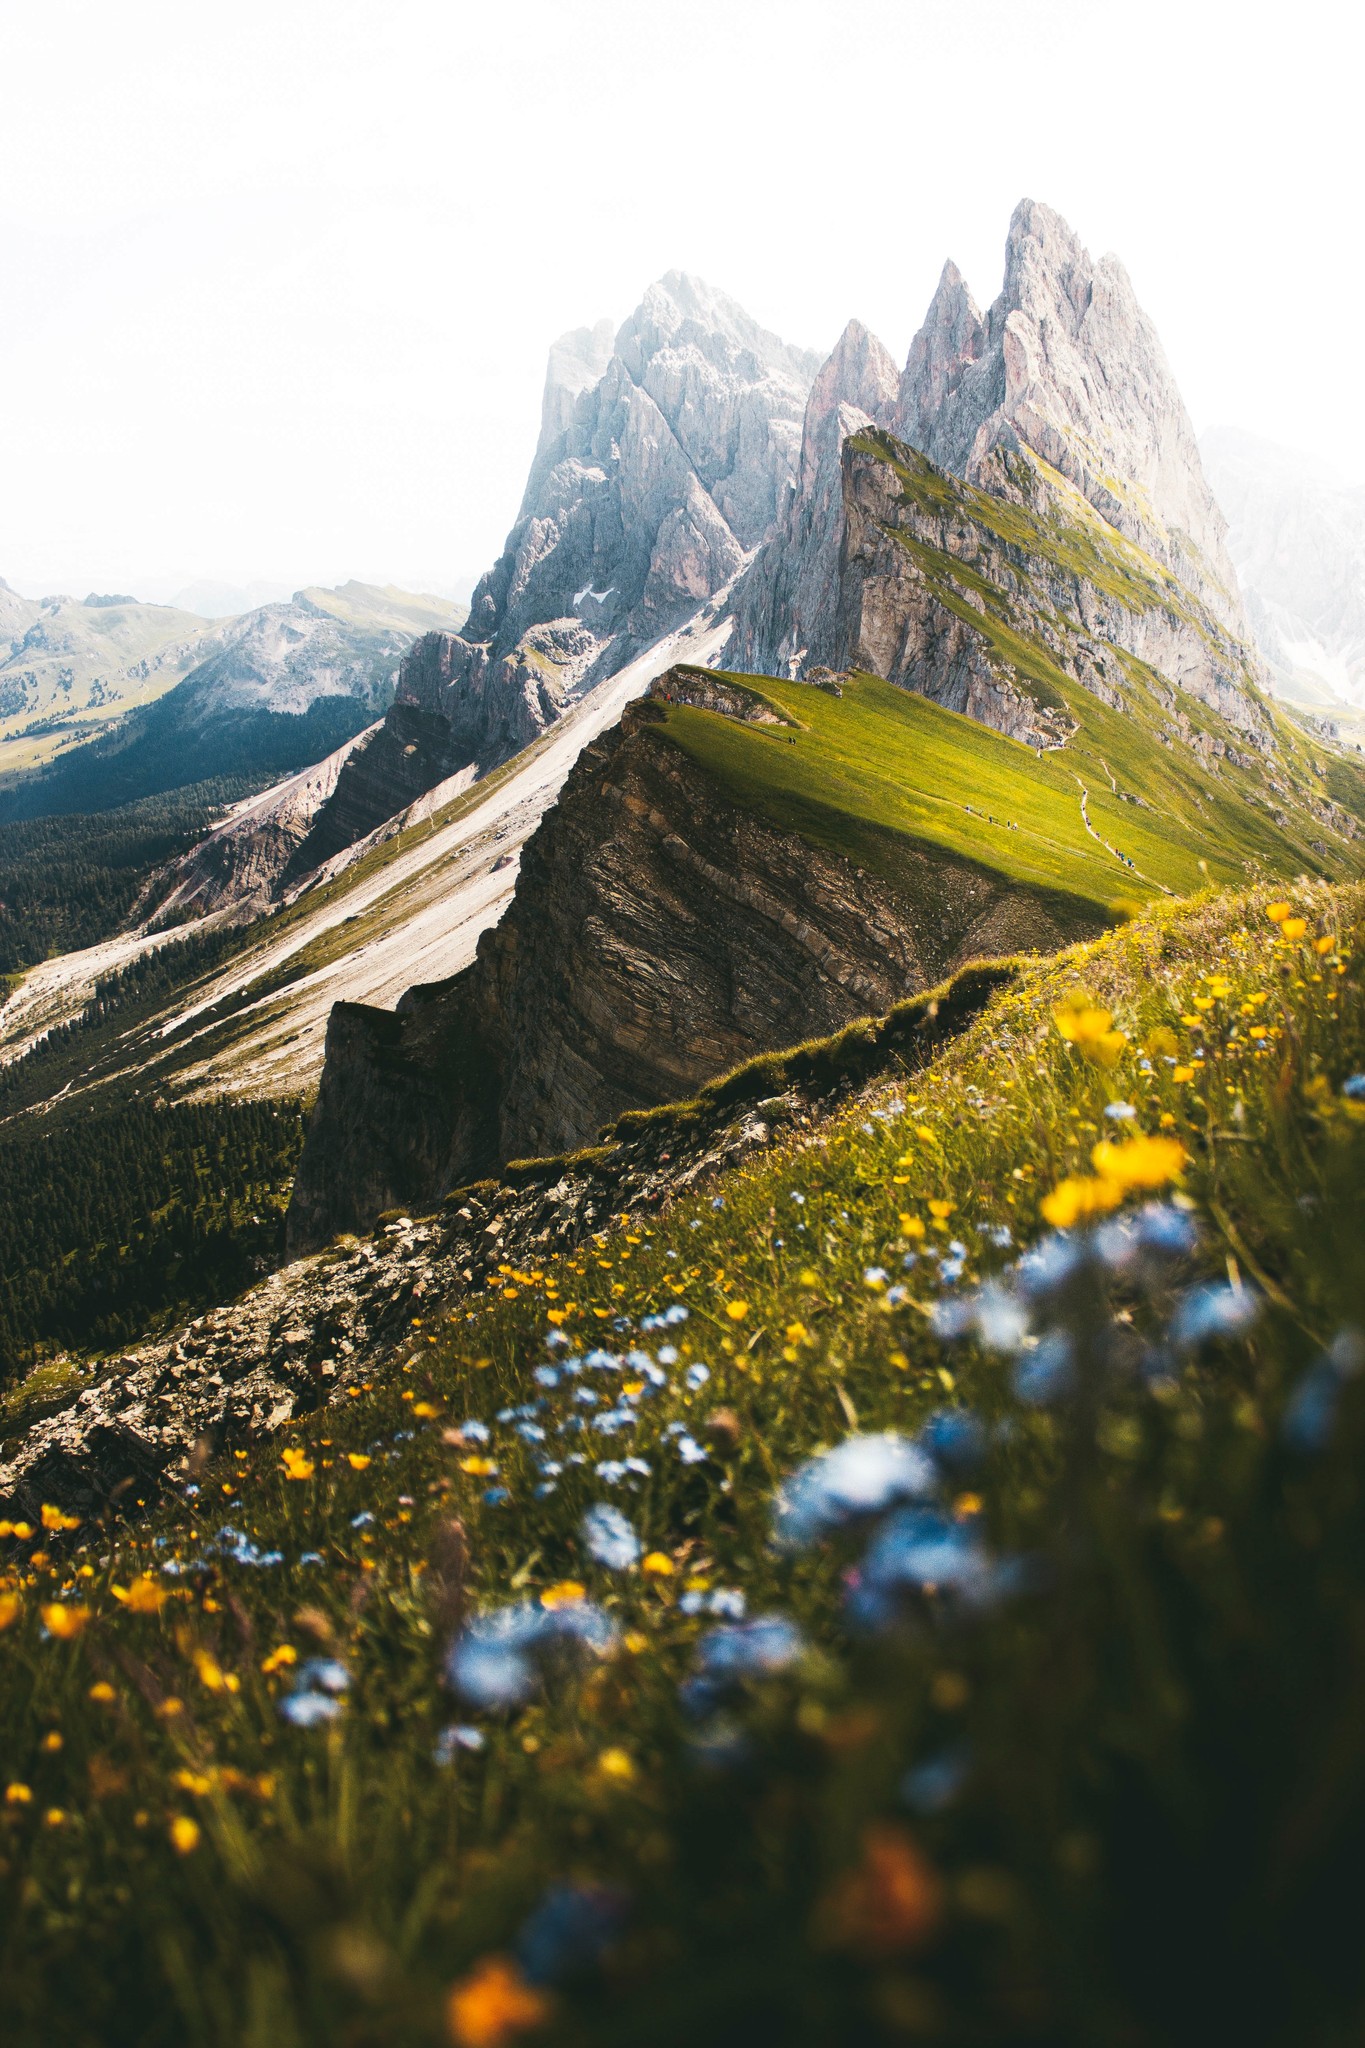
(1139, 1802)
(883, 758)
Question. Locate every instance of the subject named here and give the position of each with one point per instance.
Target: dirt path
(1122, 858)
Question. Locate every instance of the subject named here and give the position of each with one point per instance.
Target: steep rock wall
(659, 935)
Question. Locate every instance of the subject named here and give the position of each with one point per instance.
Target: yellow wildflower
(11, 1607)
(357, 1460)
(736, 1310)
(940, 1210)
(1183, 1074)
(618, 1764)
(1294, 927)
(184, 1835)
(566, 1593)
(278, 1659)
(65, 1623)
(102, 1692)
(296, 1463)
(493, 2004)
(424, 1410)
(1090, 1029)
(211, 1674)
(1076, 1200)
(659, 1563)
(53, 1518)
(911, 1226)
(144, 1596)
(18, 1795)
(1278, 912)
(1140, 1162)
(479, 1468)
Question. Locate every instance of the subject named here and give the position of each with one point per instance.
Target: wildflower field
(912, 1591)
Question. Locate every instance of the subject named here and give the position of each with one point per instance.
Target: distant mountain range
(256, 696)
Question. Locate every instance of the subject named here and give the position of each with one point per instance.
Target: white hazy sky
(279, 279)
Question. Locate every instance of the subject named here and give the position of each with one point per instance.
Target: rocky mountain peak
(860, 373)
(664, 457)
(1067, 364)
(950, 339)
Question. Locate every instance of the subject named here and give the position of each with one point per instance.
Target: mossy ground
(1167, 1808)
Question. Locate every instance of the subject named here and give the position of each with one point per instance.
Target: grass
(1159, 1836)
(881, 768)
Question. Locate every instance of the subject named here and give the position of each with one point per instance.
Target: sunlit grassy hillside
(1034, 1720)
(882, 761)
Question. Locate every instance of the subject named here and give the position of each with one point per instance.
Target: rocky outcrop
(988, 601)
(238, 867)
(659, 934)
(785, 602)
(1066, 363)
(662, 462)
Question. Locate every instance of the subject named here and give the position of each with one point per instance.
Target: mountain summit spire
(1067, 363)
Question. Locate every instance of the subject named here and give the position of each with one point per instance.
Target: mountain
(661, 465)
(69, 666)
(1066, 364)
(270, 692)
(1297, 537)
(1015, 697)
(1076, 491)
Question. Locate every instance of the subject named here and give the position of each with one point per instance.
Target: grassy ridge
(182, 1864)
(885, 758)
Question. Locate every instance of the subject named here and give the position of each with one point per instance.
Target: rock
(785, 600)
(1067, 364)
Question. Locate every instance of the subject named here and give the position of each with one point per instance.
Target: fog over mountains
(1297, 536)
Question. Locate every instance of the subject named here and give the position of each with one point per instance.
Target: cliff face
(786, 603)
(659, 935)
(987, 600)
